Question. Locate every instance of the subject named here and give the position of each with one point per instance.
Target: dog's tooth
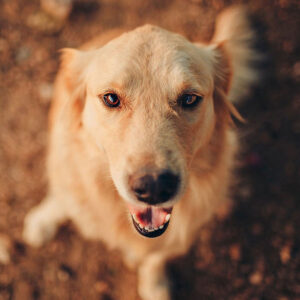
(147, 228)
(161, 226)
(168, 216)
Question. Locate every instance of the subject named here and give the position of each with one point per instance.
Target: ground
(253, 254)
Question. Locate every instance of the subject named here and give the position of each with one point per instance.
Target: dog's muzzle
(152, 189)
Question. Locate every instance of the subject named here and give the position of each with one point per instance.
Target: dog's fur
(93, 149)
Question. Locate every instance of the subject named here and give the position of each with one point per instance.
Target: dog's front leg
(42, 221)
(153, 283)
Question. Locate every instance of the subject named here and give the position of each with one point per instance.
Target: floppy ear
(72, 67)
(222, 83)
(72, 63)
(235, 32)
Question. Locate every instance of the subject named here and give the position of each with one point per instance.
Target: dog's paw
(37, 230)
(40, 224)
(153, 282)
(154, 290)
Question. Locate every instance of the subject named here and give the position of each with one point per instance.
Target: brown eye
(111, 100)
(189, 100)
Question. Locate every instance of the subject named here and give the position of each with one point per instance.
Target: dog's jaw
(150, 221)
(150, 233)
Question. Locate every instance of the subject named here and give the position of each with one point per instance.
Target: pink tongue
(151, 216)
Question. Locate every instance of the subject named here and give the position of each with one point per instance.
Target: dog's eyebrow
(189, 89)
(111, 87)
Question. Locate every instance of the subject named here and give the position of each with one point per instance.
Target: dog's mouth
(150, 221)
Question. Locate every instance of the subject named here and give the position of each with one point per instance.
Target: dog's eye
(111, 100)
(189, 100)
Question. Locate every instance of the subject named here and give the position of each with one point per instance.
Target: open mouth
(150, 221)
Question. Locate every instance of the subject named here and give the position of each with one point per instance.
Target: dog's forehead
(151, 57)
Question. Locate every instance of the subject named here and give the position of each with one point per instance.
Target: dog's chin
(150, 221)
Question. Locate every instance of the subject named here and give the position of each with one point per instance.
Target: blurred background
(253, 254)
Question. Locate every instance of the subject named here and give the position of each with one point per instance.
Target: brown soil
(253, 254)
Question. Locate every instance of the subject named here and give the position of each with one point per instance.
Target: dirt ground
(253, 254)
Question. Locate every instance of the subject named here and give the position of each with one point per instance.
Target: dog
(142, 144)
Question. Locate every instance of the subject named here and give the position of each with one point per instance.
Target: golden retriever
(142, 145)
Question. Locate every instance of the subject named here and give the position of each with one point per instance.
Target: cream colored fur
(93, 149)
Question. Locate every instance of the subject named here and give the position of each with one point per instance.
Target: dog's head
(148, 101)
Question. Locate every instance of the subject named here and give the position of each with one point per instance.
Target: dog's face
(149, 107)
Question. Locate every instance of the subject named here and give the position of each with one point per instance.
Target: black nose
(154, 188)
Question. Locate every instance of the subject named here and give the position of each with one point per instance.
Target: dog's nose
(154, 188)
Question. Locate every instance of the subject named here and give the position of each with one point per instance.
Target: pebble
(101, 287)
(285, 254)
(45, 90)
(256, 278)
(23, 53)
(44, 23)
(59, 9)
(235, 252)
(63, 276)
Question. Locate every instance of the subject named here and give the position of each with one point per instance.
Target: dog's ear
(73, 63)
(222, 82)
(237, 57)
(222, 68)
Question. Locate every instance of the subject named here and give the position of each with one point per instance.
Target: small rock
(45, 91)
(44, 23)
(235, 252)
(101, 287)
(285, 254)
(23, 53)
(63, 275)
(59, 9)
(256, 278)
